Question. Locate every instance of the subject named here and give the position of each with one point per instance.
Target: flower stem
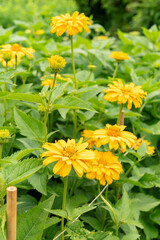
(5, 87)
(73, 66)
(131, 167)
(64, 204)
(110, 207)
(1, 148)
(120, 112)
(115, 71)
(47, 110)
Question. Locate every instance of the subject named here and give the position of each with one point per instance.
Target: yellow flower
(72, 24)
(123, 93)
(4, 133)
(105, 168)
(68, 154)
(91, 139)
(119, 56)
(39, 32)
(56, 63)
(138, 143)
(101, 38)
(18, 51)
(91, 67)
(115, 136)
(49, 81)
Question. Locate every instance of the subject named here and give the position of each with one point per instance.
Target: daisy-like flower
(120, 56)
(56, 63)
(18, 51)
(115, 136)
(125, 93)
(39, 32)
(49, 81)
(72, 24)
(4, 136)
(92, 141)
(105, 168)
(101, 37)
(150, 150)
(68, 154)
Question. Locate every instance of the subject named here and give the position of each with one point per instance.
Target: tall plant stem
(1, 148)
(120, 112)
(15, 77)
(75, 88)
(73, 66)
(47, 110)
(105, 213)
(64, 204)
(110, 207)
(115, 71)
(5, 88)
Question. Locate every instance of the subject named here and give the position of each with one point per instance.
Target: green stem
(64, 204)
(110, 207)
(5, 88)
(15, 77)
(47, 110)
(115, 71)
(105, 213)
(75, 123)
(131, 167)
(73, 66)
(1, 148)
(120, 112)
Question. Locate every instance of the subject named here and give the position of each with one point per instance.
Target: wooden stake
(121, 122)
(11, 213)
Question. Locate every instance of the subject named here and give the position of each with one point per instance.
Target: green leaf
(131, 236)
(93, 222)
(26, 202)
(58, 91)
(79, 211)
(155, 215)
(71, 102)
(15, 173)
(150, 230)
(150, 180)
(22, 97)
(29, 126)
(58, 212)
(145, 202)
(39, 182)
(52, 221)
(32, 223)
(142, 149)
(153, 94)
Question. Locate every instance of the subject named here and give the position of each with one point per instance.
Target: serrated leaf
(58, 212)
(26, 202)
(32, 223)
(72, 102)
(155, 215)
(150, 180)
(39, 182)
(58, 91)
(79, 211)
(29, 126)
(15, 173)
(142, 149)
(52, 221)
(93, 222)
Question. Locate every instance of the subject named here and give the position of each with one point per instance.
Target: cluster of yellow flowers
(12, 54)
(102, 166)
(48, 81)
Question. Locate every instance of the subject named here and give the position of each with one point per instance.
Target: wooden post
(11, 213)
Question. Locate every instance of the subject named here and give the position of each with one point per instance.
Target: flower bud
(56, 63)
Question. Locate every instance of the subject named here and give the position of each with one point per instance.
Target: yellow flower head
(119, 56)
(4, 136)
(105, 168)
(138, 143)
(18, 51)
(68, 154)
(72, 24)
(57, 63)
(125, 93)
(7, 59)
(101, 38)
(91, 67)
(39, 32)
(4, 133)
(49, 81)
(115, 136)
(91, 139)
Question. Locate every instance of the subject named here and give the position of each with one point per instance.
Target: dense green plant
(132, 210)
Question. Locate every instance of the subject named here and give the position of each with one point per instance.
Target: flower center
(70, 152)
(114, 131)
(16, 47)
(125, 90)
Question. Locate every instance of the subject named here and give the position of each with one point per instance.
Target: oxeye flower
(7, 58)
(120, 56)
(115, 136)
(68, 154)
(91, 140)
(48, 81)
(56, 63)
(106, 167)
(72, 24)
(39, 32)
(150, 150)
(125, 93)
(18, 51)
